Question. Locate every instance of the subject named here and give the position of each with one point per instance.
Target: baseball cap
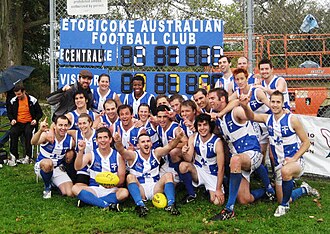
(86, 73)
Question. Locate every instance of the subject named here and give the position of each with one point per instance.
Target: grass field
(23, 210)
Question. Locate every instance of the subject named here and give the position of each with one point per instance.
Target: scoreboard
(142, 45)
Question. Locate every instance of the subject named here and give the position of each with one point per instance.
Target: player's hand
(189, 124)
(13, 122)
(220, 196)
(66, 87)
(138, 124)
(81, 145)
(153, 120)
(257, 79)
(288, 160)
(33, 122)
(185, 149)
(116, 135)
(43, 125)
(171, 114)
(180, 133)
(244, 100)
(213, 115)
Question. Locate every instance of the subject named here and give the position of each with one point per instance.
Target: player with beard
(144, 180)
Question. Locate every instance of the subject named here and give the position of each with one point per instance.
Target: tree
(20, 18)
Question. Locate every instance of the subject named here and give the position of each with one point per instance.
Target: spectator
(24, 113)
(64, 98)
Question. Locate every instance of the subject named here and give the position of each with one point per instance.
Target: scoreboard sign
(140, 43)
(156, 82)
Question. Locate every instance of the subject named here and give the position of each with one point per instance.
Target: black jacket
(35, 109)
(64, 100)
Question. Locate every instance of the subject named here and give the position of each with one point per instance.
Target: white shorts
(148, 190)
(166, 168)
(59, 175)
(278, 168)
(101, 191)
(256, 159)
(206, 179)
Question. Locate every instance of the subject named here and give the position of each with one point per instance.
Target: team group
(216, 139)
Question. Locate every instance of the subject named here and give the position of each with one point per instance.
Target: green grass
(23, 210)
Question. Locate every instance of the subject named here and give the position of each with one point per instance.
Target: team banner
(140, 42)
(317, 158)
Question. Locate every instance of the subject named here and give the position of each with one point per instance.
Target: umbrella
(13, 75)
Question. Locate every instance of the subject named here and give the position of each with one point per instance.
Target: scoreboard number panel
(155, 82)
(140, 43)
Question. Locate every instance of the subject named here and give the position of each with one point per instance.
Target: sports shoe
(310, 190)
(224, 215)
(188, 198)
(172, 209)
(142, 210)
(270, 196)
(114, 207)
(281, 210)
(1, 166)
(47, 194)
(25, 160)
(12, 161)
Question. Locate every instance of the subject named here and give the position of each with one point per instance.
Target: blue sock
(134, 190)
(169, 191)
(47, 178)
(91, 199)
(187, 181)
(296, 193)
(287, 187)
(110, 198)
(234, 183)
(263, 174)
(258, 193)
(175, 166)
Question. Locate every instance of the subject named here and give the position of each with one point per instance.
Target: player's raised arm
(244, 102)
(128, 155)
(188, 150)
(40, 136)
(82, 159)
(161, 151)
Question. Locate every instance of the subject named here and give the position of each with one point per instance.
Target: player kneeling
(204, 162)
(100, 160)
(144, 180)
(49, 164)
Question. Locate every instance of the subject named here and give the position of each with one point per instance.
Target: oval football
(159, 200)
(107, 178)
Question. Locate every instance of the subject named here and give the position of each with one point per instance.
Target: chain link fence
(294, 34)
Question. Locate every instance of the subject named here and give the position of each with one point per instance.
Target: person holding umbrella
(23, 112)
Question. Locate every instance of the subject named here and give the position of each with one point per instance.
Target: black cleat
(189, 198)
(141, 210)
(172, 209)
(114, 207)
(224, 215)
